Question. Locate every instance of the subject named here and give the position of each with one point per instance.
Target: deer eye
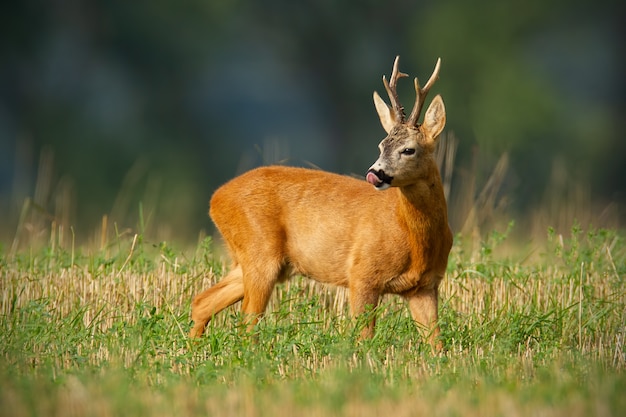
(408, 151)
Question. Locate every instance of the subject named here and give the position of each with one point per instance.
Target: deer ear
(386, 116)
(434, 119)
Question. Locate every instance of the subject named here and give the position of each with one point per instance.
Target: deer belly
(323, 264)
(411, 281)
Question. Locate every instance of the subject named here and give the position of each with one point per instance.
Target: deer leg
(423, 305)
(363, 298)
(213, 300)
(258, 286)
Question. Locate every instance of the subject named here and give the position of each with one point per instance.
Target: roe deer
(277, 221)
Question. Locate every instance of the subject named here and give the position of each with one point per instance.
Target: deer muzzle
(378, 179)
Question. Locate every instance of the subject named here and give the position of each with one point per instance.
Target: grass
(102, 332)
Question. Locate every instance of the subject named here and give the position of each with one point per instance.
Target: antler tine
(421, 93)
(391, 90)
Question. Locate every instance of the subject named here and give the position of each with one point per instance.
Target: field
(536, 330)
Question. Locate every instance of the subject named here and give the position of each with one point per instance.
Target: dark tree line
(163, 101)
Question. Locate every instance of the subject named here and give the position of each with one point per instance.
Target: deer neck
(422, 205)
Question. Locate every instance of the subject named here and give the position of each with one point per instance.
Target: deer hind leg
(423, 305)
(213, 300)
(258, 284)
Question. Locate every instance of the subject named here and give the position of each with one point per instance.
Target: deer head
(409, 145)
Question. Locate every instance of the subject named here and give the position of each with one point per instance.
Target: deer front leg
(423, 305)
(362, 298)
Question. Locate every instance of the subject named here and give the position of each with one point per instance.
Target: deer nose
(377, 166)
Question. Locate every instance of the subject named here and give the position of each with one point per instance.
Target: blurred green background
(120, 107)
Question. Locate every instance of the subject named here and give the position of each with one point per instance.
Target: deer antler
(420, 94)
(391, 90)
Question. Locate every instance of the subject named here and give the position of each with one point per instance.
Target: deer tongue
(373, 179)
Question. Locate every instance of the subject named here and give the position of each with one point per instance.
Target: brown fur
(279, 220)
